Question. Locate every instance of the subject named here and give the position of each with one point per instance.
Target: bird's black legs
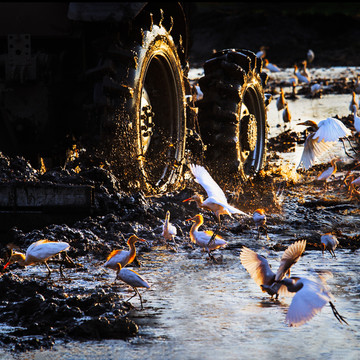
(136, 293)
(342, 140)
(340, 318)
(49, 271)
(212, 239)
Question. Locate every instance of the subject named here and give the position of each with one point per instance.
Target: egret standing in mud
(216, 201)
(202, 238)
(301, 78)
(322, 137)
(304, 71)
(271, 67)
(353, 101)
(123, 257)
(281, 102)
(259, 218)
(310, 297)
(169, 230)
(328, 173)
(286, 115)
(39, 252)
(133, 279)
(329, 242)
(259, 269)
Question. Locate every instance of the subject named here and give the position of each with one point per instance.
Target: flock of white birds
(309, 296)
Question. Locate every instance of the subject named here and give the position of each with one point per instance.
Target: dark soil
(287, 30)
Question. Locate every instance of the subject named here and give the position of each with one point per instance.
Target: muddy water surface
(198, 310)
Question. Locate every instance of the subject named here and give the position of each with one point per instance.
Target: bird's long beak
(187, 199)
(191, 219)
(6, 265)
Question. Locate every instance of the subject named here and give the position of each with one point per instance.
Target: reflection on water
(198, 310)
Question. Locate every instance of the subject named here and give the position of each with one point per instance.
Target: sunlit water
(199, 310)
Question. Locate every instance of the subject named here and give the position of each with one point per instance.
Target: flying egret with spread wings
(322, 137)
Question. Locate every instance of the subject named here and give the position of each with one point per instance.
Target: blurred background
(287, 29)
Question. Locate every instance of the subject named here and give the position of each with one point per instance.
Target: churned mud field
(196, 307)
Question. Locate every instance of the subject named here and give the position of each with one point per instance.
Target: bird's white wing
(44, 249)
(257, 266)
(331, 129)
(172, 229)
(356, 181)
(215, 201)
(307, 302)
(291, 256)
(207, 182)
(313, 149)
(325, 174)
(132, 278)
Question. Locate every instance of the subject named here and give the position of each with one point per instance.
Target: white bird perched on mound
(329, 242)
(323, 136)
(260, 271)
(259, 218)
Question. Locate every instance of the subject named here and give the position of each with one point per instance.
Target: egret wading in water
(259, 218)
(133, 279)
(322, 137)
(169, 230)
(202, 238)
(259, 269)
(216, 201)
(310, 297)
(329, 242)
(123, 257)
(40, 252)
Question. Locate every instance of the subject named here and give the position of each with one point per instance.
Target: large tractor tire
(232, 114)
(140, 92)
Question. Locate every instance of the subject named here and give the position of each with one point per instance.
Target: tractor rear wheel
(232, 114)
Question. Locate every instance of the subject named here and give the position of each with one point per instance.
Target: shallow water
(199, 310)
